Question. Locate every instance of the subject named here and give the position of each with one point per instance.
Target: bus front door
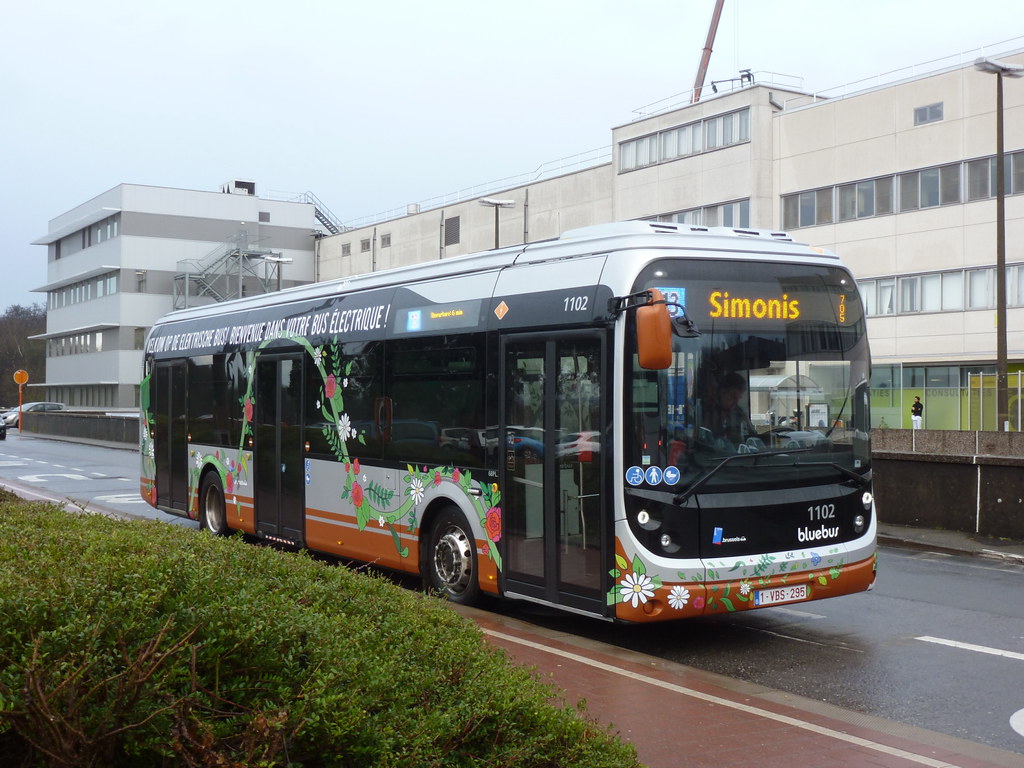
(555, 535)
(170, 439)
(278, 495)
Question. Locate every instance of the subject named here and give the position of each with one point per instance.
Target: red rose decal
(437, 477)
(357, 494)
(248, 409)
(493, 524)
(330, 386)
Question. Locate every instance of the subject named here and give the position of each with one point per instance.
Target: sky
(374, 105)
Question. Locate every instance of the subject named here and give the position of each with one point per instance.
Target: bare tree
(18, 351)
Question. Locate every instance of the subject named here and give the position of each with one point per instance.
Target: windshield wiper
(700, 482)
(861, 480)
(679, 498)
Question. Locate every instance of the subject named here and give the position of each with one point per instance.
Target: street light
(496, 204)
(999, 69)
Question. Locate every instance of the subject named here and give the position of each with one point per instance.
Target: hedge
(137, 643)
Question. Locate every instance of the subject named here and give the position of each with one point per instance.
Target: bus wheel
(451, 558)
(212, 512)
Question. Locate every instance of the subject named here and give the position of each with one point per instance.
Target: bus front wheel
(451, 558)
(212, 511)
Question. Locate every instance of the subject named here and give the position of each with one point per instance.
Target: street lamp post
(496, 204)
(1000, 69)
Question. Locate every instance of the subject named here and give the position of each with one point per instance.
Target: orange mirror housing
(654, 333)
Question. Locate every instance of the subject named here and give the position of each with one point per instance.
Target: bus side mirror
(654, 333)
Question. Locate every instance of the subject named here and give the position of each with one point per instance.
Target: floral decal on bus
(372, 503)
(725, 586)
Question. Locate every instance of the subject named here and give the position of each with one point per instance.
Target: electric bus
(635, 422)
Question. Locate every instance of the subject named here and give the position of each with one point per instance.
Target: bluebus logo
(717, 537)
(805, 535)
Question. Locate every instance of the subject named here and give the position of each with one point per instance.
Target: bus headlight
(866, 499)
(668, 544)
(859, 522)
(645, 521)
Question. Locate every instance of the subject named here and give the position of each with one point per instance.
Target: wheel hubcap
(452, 560)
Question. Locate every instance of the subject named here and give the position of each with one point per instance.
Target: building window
(364, 245)
(981, 176)
(953, 290)
(346, 249)
(736, 215)
(931, 113)
(807, 208)
(385, 241)
(685, 140)
(886, 304)
(930, 187)
(681, 141)
(1015, 286)
(981, 179)
(981, 292)
(909, 297)
(451, 230)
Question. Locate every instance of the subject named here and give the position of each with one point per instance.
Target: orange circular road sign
(20, 376)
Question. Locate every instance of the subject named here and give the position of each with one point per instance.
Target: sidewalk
(681, 717)
(952, 542)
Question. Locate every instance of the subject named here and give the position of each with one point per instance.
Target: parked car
(579, 444)
(10, 418)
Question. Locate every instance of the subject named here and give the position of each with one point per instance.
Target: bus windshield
(772, 393)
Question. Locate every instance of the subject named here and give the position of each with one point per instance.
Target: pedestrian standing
(917, 412)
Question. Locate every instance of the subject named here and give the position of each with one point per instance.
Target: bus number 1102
(822, 512)
(576, 303)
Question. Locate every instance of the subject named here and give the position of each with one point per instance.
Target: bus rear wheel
(212, 510)
(451, 558)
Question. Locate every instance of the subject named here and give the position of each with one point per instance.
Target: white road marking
(120, 498)
(1017, 721)
(800, 614)
(756, 711)
(41, 478)
(972, 647)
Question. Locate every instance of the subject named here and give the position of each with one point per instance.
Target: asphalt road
(938, 644)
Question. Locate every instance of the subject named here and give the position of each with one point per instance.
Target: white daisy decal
(678, 597)
(318, 356)
(345, 427)
(636, 588)
(416, 490)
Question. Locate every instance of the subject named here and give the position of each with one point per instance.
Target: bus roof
(584, 241)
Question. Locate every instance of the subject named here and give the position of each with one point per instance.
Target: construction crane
(705, 55)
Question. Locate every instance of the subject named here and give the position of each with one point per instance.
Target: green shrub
(140, 644)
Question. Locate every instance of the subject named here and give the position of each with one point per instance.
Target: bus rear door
(555, 534)
(279, 492)
(170, 441)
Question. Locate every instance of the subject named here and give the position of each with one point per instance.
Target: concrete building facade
(898, 178)
(119, 261)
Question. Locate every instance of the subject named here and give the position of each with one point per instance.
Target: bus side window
(360, 389)
(436, 389)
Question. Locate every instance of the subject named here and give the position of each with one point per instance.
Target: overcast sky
(373, 105)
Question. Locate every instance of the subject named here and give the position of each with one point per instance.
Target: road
(938, 644)
(92, 477)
